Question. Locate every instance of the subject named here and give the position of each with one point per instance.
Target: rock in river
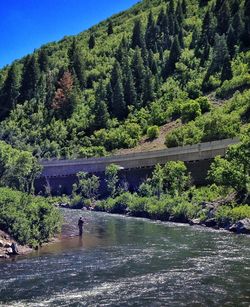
(242, 226)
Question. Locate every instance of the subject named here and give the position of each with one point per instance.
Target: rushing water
(131, 262)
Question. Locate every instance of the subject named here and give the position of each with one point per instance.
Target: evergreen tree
(138, 70)
(150, 34)
(10, 91)
(171, 8)
(101, 109)
(246, 33)
(110, 29)
(138, 38)
(231, 41)
(203, 3)
(43, 60)
(238, 25)
(160, 20)
(148, 94)
(175, 53)
(110, 96)
(226, 73)
(179, 13)
(152, 63)
(184, 7)
(122, 51)
(218, 6)
(77, 65)
(223, 18)
(116, 74)
(235, 7)
(119, 109)
(30, 78)
(65, 98)
(92, 41)
(220, 53)
(171, 24)
(129, 89)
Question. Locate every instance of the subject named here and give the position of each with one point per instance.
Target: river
(124, 261)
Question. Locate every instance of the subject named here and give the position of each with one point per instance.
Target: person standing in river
(80, 226)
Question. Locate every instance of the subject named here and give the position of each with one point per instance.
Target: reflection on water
(122, 261)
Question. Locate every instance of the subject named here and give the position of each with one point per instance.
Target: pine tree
(152, 63)
(101, 109)
(150, 34)
(184, 7)
(223, 18)
(65, 98)
(220, 53)
(110, 97)
(148, 94)
(203, 3)
(175, 53)
(231, 41)
(235, 6)
(43, 60)
(138, 38)
(238, 25)
(138, 70)
(77, 65)
(92, 41)
(171, 24)
(119, 109)
(10, 91)
(246, 33)
(179, 13)
(226, 73)
(129, 89)
(116, 74)
(30, 78)
(171, 8)
(110, 29)
(122, 50)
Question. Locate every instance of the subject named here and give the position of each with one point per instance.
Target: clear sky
(28, 24)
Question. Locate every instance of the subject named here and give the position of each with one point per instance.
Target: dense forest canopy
(160, 61)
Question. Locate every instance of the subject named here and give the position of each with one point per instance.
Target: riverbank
(10, 247)
(195, 209)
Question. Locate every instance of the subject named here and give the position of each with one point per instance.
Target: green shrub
(30, 220)
(153, 132)
(190, 111)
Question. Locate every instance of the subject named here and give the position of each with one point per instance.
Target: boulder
(1, 243)
(9, 251)
(7, 245)
(242, 226)
(195, 222)
(210, 222)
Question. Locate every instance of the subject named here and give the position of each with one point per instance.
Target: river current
(123, 261)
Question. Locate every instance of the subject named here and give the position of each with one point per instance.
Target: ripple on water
(132, 262)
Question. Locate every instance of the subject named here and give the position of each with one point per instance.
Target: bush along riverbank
(207, 206)
(27, 220)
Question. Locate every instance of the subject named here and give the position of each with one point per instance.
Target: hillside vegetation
(105, 88)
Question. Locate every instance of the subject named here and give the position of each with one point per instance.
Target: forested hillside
(105, 88)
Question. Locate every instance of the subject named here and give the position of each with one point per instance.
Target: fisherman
(80, 225)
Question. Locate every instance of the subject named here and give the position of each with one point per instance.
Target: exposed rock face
(242, 226)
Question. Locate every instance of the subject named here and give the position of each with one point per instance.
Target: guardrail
(202, 151)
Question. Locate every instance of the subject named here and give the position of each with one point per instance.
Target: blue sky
(28, 24)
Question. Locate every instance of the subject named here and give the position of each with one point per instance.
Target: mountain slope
(100, 90)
